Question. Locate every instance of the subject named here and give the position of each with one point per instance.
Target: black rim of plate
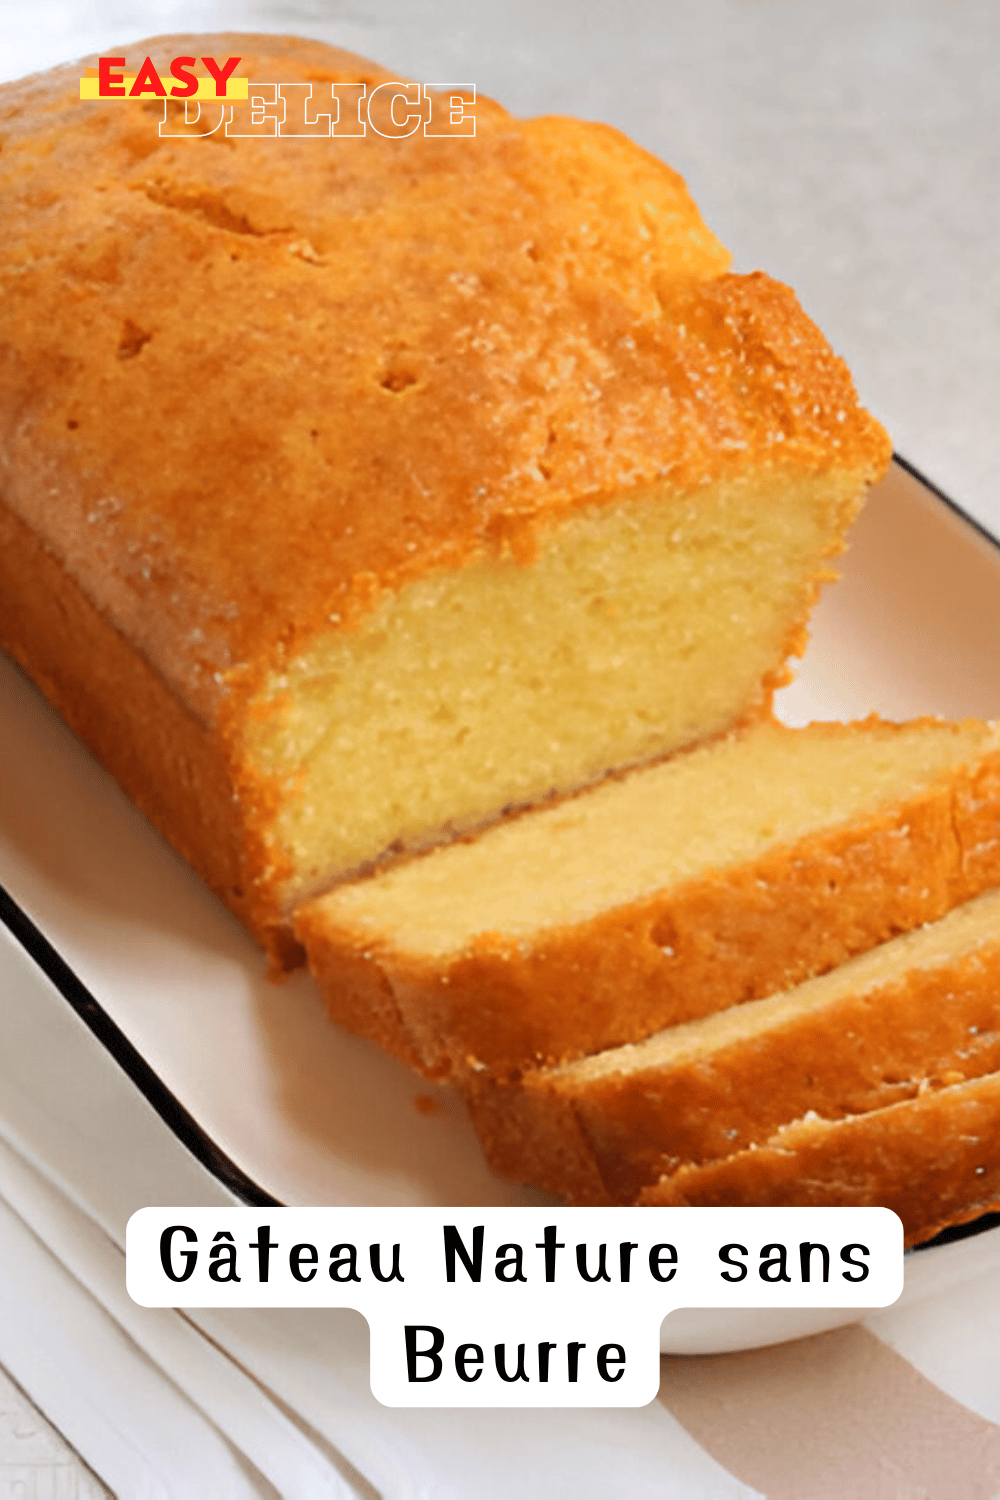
(171, 1111)
(939, 494)
(186, 1128)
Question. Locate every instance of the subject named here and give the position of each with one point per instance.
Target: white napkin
(151, 1406)
(243, 1402)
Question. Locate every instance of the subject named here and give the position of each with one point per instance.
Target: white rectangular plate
(315, 1116)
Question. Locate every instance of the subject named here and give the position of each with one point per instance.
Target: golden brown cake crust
(614, 1134)
(710, 943)
(932, 1160)
(366, 359)
(249, 386)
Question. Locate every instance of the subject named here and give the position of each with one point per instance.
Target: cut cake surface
(727, 873)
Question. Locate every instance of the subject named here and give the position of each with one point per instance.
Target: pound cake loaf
(918, 1012)
(724, 874)
(354, 491)
(932, 1159)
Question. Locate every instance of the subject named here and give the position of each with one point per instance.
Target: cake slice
(726, 873)
(932, 1159)
(917, 1012)
(357, 490)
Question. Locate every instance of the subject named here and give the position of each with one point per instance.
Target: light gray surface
(851, 149)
